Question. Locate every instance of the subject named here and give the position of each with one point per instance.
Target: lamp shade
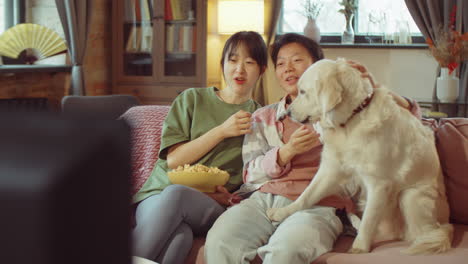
(237, 15)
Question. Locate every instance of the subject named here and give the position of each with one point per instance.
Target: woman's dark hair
(254, 43)
(312, 47)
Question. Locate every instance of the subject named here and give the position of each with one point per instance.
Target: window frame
(360, 40)
(16, 65)
(16, 17)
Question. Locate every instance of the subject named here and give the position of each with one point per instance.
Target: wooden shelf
(190, 21)
(34, 68)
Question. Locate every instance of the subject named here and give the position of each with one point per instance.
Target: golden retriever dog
(371, 141)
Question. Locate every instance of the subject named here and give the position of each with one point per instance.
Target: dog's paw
(277, 214)
(359, 247)
(357, 251)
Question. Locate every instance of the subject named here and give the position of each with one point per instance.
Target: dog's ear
(330, 91)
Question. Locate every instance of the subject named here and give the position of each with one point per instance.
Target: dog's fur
(383, 149)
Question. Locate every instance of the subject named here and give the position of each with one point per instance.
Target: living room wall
(408, 72)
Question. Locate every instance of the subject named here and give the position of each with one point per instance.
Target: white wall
(408, 72)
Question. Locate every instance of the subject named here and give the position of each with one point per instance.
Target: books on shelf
(129, 11)
(146, 38)
(146, 10)
(140, 38)
(180, 38)
(176, 14)
(178, 10)
(169, 38)
(180, 28)
(138, 10)
(168, 10)
(132, 45)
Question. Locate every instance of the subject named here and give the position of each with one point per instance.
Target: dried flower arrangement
(450, 47)
(349, 8)
(311, 8)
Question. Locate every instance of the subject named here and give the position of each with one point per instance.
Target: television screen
(64, 190)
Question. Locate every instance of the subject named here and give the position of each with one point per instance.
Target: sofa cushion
(389, 252)
(431, 123)
(146, 125)
(386, 252)
(452, 145)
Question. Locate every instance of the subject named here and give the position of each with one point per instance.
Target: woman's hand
(236, 125)
(183, 153)
(223, 196)
(364, 72)
(302, 140)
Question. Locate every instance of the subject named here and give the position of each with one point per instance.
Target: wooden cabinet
(433, 108)
(159, 48)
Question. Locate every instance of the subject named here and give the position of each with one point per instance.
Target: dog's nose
(288, 113)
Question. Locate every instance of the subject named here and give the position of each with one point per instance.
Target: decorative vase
(347, 37)
(311, 30)
(447, 86)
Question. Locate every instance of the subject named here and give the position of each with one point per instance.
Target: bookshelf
(159, 48)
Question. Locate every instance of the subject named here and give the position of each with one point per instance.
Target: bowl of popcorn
(198, 176)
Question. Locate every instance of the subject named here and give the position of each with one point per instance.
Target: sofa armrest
(146, 127)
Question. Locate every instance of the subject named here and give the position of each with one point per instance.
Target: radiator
(24, 104)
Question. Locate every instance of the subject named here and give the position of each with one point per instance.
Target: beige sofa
(452, 145)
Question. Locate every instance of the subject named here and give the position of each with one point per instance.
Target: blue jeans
(166, 223)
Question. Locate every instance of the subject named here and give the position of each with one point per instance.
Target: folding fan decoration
(31, 42)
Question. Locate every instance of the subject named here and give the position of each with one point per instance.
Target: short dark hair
(254, 43)
(312, 47)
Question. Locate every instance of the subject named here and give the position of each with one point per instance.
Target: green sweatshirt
(192, 114)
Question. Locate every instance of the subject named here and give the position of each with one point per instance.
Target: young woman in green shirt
(205, 126)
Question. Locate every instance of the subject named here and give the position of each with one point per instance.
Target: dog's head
(322, 89)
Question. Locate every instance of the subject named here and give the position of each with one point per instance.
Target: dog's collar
(358, 109)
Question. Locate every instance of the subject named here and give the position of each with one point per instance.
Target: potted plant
(348, 9)
(311, 10)
(449, 48)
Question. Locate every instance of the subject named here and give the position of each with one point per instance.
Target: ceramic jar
(311, 30)
(447, 86)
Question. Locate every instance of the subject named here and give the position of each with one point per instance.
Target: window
(374, 21)
(2, 16)
(12, 13)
